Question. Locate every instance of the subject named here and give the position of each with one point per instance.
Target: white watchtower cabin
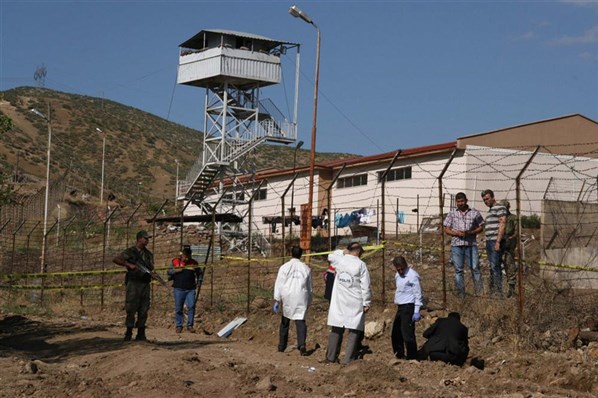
(234, 68)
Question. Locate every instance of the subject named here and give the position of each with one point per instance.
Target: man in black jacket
(447, 341)
(186, 276)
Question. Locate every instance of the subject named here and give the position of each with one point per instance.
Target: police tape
(236, 260)
(565, 266)
(58, 287)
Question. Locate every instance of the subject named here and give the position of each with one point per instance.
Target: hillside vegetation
(141, 148)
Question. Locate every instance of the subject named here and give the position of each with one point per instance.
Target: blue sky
(394, 74)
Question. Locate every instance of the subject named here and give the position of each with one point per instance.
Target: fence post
(441, 224)
(14, 238)
(249, 241)
(284, 224)
(519, 255)
(64, 240)
(331, 217)
(28, 241)
(45, 265)
(183, 217)
(83, 236)
(153, 219)
(128, 222)
(104, 257)
(383, 180)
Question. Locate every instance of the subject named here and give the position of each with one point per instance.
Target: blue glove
(416, 317)
(275, 307)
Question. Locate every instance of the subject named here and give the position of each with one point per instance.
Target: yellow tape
(572, 267)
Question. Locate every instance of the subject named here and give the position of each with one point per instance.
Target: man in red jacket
(186, 275)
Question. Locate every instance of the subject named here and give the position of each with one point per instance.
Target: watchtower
(233, 67)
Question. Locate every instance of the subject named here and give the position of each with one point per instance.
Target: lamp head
(297, 13)
(99, 130)
(299, 145)
(38, 113)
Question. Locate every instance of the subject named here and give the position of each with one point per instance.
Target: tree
(6, 124)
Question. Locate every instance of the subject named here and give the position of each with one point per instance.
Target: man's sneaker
(179, 329)
(190, 329)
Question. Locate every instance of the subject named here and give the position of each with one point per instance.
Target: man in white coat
(294, 289)
(351, 298)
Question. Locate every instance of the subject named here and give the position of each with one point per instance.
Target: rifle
(152, 273)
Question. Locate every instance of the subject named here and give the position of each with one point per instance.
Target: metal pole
(176, 184)
(306, 241)
(441, 223)
(103, 157)
(292, 184)
(128, 222)
(332, 217)
(299, 145)
(104, 257)
(43, 257)
(519, 253)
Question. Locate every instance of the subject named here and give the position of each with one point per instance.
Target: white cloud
(589, 36)
(528, 35)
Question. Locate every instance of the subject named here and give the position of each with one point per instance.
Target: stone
(265, 384)
(374, 329)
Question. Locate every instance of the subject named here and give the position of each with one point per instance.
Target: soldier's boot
(128, 334)
(140, 335)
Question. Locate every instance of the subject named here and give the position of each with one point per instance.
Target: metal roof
(197, 42)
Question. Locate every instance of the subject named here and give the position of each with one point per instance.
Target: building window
(353, 181)
(262, 194)
(403, 173)
(239, 196)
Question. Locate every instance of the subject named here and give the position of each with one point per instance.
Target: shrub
(532, 221)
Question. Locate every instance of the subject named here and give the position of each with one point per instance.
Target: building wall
(570, 135)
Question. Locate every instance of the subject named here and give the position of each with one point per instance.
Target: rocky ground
(67, 354)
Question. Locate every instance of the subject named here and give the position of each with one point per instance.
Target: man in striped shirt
(463, 224)
(495, 232)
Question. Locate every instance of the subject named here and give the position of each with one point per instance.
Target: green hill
(140, 147)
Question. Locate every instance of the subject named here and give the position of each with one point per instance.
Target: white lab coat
(294, 288)
(351, 292)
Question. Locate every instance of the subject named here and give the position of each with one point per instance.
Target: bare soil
(85, 356)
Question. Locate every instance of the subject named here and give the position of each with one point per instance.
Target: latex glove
(275, 307)
(416, 317)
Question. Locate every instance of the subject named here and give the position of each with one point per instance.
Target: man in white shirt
(351, 298)
(293, 288)
(408, 297)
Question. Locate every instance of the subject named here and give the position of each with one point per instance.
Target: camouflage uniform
(138, 287)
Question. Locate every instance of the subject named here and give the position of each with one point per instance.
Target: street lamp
(103, 157)
(176, 188)
(48, 121)
(299, 145)
(297, 13)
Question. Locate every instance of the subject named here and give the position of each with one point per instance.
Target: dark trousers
(137, 302)
(283, 333)
(447, 358)
(403, 332)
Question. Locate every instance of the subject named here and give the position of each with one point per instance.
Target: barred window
(239, 196)
(353, 181)
(403, 173)
(262, 194)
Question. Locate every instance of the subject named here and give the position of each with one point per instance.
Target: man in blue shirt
(408, 298)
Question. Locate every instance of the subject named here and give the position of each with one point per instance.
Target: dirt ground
(85, 356)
